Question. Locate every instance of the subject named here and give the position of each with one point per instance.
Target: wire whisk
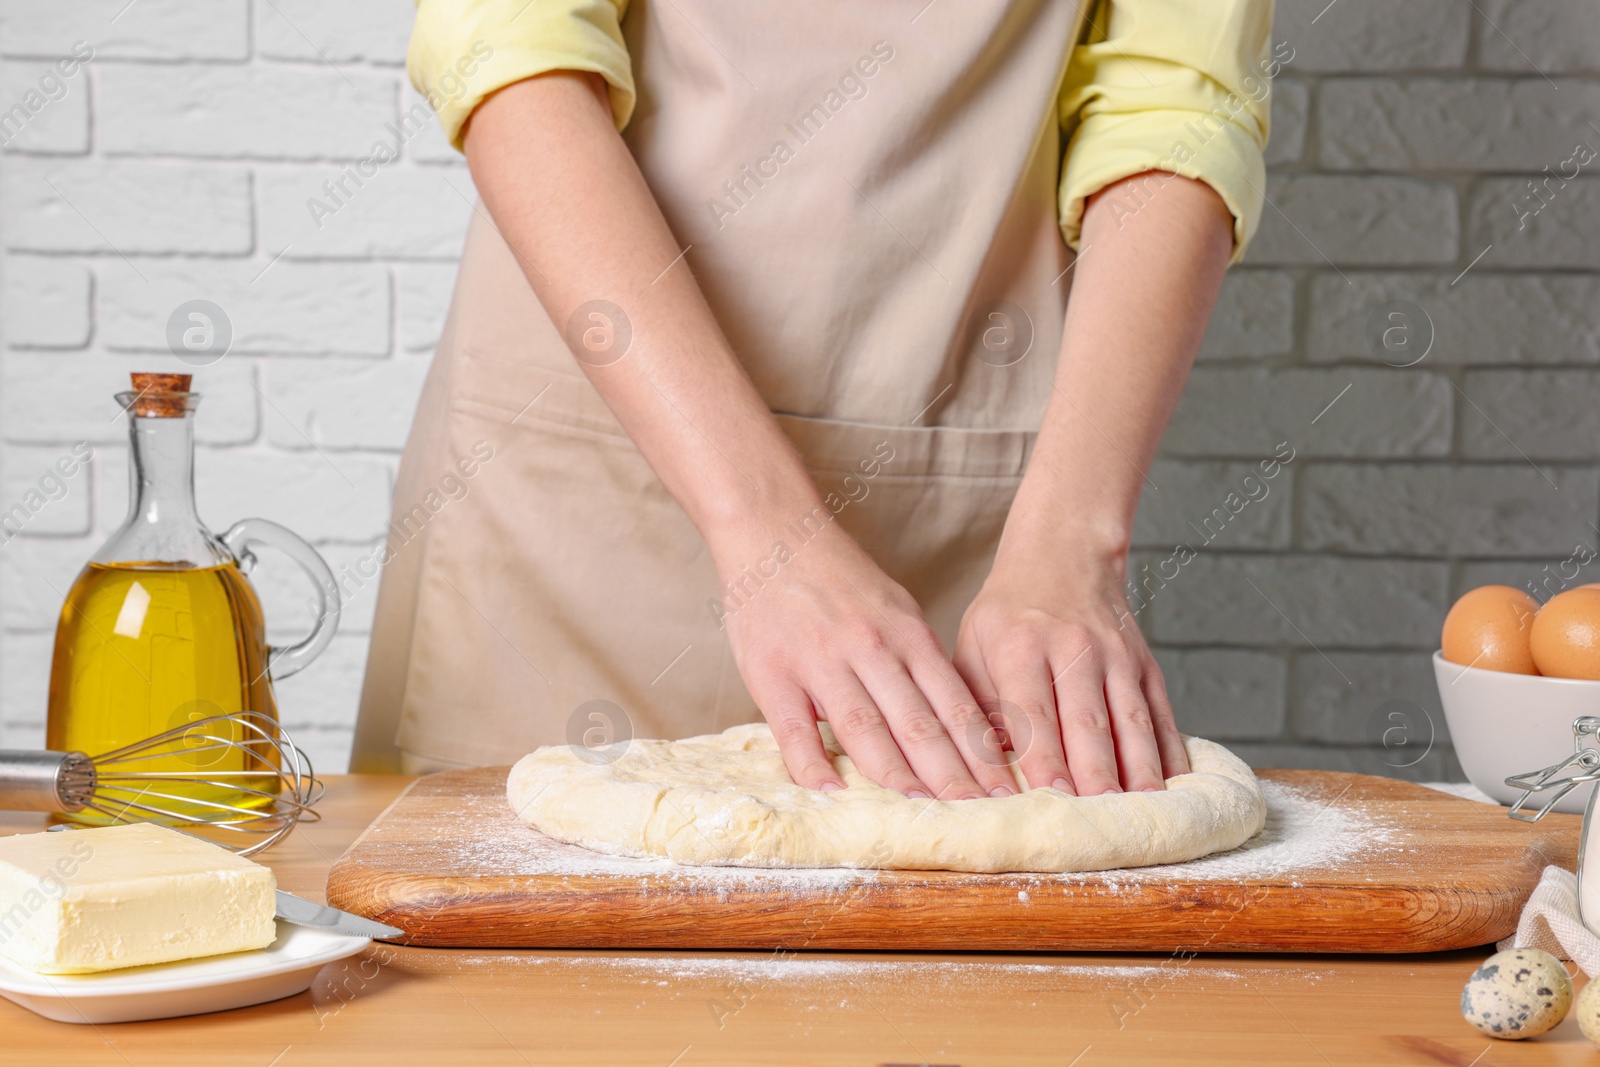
(239, 776)
(1584, 763)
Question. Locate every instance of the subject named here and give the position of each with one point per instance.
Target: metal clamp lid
(1586, 757)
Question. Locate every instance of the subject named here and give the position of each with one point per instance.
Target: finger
(1079, 682)
(921, 736)
(978, 741)
(975, 673)
(1027, 709)
(1174, 756)
(794, 725)
(1133, 732)
(865, 737)
(968, 662)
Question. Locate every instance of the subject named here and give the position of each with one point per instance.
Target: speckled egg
(1518, 993)
(1588, 1011)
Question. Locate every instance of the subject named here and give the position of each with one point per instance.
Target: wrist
(1061, 567)
(1064, 508)
(1075, 547)
(741, 534)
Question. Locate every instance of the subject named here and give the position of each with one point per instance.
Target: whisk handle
(31, 780)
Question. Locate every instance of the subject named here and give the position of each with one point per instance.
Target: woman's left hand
(1053, 654)
(1048, 647)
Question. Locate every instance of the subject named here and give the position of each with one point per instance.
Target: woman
(832, 412)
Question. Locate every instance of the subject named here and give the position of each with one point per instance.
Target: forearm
(1143, 291)
(569, 199)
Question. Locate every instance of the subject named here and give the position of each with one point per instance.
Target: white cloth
(1550, 921)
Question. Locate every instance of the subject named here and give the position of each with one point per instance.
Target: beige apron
(869, 197)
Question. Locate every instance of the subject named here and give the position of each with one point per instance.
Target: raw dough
(726, 800)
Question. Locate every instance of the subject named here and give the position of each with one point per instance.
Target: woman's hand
(829, 636)
(1052, 652)
(1049, 644)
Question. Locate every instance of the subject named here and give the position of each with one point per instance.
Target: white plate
(190, 987)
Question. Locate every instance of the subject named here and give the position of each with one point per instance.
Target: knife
(301, 912)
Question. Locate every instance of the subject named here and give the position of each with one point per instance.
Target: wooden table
(440, 1006)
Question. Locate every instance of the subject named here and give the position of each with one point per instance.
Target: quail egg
(1518, 993)
(1588, 1011)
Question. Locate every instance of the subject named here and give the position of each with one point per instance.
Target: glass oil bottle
(162, 628)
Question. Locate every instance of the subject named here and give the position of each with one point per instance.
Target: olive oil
(142, 648)
(162, 633)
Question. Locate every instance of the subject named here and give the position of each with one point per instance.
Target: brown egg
(1489, 628)
(1565, 640)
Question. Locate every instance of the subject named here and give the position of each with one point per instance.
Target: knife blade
(301, 912)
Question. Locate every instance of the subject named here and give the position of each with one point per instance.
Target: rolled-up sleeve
(463, 50)
(1174, 85)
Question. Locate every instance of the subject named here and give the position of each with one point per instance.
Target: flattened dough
(726, 800)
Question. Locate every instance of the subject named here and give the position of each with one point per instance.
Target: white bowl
(1503, 724)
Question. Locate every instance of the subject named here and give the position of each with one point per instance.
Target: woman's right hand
(821, 633)
(828, 636)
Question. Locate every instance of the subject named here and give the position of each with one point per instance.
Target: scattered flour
(810, 968)
(1304, 831)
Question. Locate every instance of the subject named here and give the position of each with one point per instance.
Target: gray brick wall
(177, 163)
(1402, 175)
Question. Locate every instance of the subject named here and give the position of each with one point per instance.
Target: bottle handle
(290, 659)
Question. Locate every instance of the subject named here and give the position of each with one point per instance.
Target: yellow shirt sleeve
(463, 50)
(1174, 85)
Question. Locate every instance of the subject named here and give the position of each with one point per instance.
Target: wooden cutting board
(1347, 863)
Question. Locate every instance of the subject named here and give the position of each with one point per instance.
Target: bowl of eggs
(1512, 676)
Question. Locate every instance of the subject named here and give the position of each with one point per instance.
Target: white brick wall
(177, 164)
(175, 167)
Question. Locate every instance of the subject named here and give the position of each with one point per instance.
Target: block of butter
(81, 901)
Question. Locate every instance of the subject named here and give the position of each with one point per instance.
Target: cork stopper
(161, 396)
